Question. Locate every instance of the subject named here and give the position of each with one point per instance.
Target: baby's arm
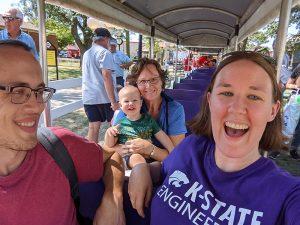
(164, 139)
(111, 136)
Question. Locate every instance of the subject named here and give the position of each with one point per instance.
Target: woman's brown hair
(142, 64)
(272, 137)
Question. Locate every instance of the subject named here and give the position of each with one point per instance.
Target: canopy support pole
(285, 11)
(152, 40)
(140, 48)
(236, 41)
(43, 55)
(176, 56)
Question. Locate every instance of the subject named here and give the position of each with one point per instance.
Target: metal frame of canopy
(207, 22)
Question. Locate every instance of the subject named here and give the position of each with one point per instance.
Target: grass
(66, 69)
(289, 164)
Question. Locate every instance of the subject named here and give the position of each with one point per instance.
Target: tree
(63, 22)
(63, 33)
(127, 42)
(158, 51)
(261, 37)
(256, 39)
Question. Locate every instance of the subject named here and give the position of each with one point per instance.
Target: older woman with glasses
(149, 78)
(217, 175)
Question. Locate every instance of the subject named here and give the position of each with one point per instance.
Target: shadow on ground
(78, 123)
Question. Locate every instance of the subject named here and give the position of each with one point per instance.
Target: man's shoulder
(67, 137)
(100, 48)
(61, 132)
(25, 34)
(120, 52)
(102, 52)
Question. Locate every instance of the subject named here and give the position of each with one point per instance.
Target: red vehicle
(73, 51)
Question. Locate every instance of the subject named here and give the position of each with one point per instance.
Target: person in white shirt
(99, 92)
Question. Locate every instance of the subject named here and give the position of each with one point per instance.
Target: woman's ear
(208, 95)
(274, 111)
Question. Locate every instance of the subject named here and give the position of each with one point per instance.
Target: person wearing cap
(13, 19)
(122, 61)
(99, 91)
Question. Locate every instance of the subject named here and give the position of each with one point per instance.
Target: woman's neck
(232, 164)
(154, 106)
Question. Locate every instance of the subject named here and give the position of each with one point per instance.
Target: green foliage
(66, 24)
(261, 37)
(293, 43)
(158, 51)
(256, 39)
(63, 33)
(295, 18)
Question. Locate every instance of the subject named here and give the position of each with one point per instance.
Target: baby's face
(131, 102)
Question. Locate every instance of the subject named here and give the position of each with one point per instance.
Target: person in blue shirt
(121, 60)
(13, 19)
(149, 78)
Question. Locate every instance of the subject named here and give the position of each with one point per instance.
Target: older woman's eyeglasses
(151, 81)
(21, 94)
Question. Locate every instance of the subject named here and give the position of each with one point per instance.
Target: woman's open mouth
(235, 129)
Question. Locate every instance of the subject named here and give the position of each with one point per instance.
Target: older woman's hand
(140, 187)
(139, 146)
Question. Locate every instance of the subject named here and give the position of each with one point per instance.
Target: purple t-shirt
(196, 191)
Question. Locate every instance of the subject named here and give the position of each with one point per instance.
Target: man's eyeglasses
(8, 19)
(21, 94)
(151, 81)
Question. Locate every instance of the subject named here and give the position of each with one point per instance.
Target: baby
(134, 125)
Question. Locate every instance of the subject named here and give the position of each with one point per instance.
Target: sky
(5, 4)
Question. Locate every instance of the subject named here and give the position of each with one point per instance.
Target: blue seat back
(193, 86)
(183, 94)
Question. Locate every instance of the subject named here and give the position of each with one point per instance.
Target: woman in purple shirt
(217, 175)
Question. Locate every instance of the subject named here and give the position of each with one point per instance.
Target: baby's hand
(113, 131)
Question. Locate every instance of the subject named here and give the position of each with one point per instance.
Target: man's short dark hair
(15, 43)
(102, 32)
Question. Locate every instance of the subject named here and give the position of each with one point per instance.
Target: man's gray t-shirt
(94, 60)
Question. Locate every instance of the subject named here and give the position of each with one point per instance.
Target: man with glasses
(33, 189)
(13, 19)
(99, 91)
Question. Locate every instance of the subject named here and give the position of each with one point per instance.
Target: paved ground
(66, 96)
